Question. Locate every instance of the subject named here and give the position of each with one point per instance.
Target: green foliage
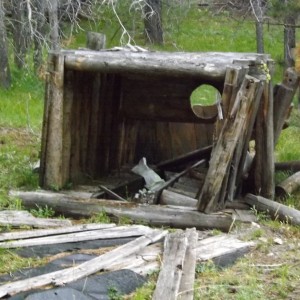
(100, 217)
(16, 262)
(42, 212)
(113, 294)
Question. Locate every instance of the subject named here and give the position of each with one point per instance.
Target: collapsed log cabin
(105, 110)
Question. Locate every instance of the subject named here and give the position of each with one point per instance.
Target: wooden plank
(217, 246)
(276, 210)
(23, 218)
(186, 289)
(264, 146)
(25, 234)
(97, 234)
(169, 278)
(85, 269)
(175, 178)
(156, 215)
(283, 98)
(226, 144)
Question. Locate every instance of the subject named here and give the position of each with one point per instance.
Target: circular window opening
(204, 101)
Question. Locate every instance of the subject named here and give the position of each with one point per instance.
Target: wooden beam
(223, 152)
(276, 210)
(283, 98)
(210, 66)
(156, 215)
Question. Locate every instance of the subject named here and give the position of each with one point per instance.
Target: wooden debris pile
(180, 250)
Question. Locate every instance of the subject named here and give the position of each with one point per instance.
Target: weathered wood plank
(264, 146)
(151, 214)
(168, 282)
(85, 269)
(26, 234)
(23, 218)
(186, 289)
(293, 166)
(283, 97)
(226, 144)
(276, 210)
(105, 233)
(217, 246)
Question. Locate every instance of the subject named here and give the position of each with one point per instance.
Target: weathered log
(288, 186)
(293, 166)
(152, 214)
(95, 40)
(226, 144)
(283, 97)
(209, 65)
(186, 158)
(105, 233)
(85, 269)
(276, 210)
(22, 218)
(171, 198)
(52, 140)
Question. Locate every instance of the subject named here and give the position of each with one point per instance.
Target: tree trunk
(19, 32)
(39, 8)
(258, 11)
(4, 64)
(289, 40)
(153, 22)
(53, 20)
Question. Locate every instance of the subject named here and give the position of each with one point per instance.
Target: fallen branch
(276, 210)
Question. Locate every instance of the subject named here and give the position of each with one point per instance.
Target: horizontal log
(293, 166)
(156, 215)
(288, 186)
(276, 210)
(210, 66)
(171, 198)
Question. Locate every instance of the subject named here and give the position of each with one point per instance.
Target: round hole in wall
(204, 101)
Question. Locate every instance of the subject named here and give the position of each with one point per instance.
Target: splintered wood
(233, 131)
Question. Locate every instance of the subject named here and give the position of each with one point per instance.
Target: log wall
(105, 110)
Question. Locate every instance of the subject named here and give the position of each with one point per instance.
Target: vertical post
(52, 136)
(264, 146)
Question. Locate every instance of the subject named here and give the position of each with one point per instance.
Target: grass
(21, 110)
